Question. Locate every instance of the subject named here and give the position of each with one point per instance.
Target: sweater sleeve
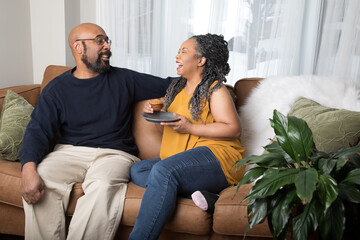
(40, 131)
(148, 86)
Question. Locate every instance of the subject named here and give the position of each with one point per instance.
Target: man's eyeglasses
(99, 39)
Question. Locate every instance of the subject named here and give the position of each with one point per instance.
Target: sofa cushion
(10, 180)
(51, 72)
(332, 128)
(198, 222)
(230, 216)
(14, 119)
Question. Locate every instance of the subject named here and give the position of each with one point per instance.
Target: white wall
(34, 35)
(47, 33)
(15, 43)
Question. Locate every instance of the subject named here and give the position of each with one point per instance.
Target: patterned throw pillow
(332, 128)
(14, 118)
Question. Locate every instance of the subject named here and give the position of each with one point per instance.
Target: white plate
(158, 117)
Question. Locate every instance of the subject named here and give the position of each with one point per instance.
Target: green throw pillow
(14, 118)
(332, 128)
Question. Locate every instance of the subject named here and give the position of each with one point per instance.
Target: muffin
(157, 104)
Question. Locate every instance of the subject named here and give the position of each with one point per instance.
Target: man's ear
(202, 61)
(77, 47)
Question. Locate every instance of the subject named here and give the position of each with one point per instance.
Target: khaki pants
(104, 174)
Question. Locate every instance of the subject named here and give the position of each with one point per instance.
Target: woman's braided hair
(215, 49)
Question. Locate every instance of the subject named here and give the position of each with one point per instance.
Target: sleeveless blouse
(226, 151)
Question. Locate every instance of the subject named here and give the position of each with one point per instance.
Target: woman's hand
(148, 108)
(181, 126)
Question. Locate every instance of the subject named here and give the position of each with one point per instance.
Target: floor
(10, 237)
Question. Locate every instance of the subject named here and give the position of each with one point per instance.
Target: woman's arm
(227, 123)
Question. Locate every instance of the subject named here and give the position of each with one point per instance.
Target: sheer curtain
(339, 53)
(266, 37)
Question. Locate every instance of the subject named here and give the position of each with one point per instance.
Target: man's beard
(97, 66)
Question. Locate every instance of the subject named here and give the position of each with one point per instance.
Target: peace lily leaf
(326, 165)
(333, 225)
(306, 222)
(271, 182)
(282, 235)
(305, 183)
(259, 212)
(328, 190)
(275, 147)
(345, 151)
(280, 125)
(316, 156)
(270, 160)
(251, 175)
(340, 163)
(353, 177)
(349, 192)
(250, 206)
(300, 137)
(329, 182)
(281, 213)
(241, 162)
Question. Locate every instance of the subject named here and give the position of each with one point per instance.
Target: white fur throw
(280, 93)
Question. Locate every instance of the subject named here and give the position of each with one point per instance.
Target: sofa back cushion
(51, 72)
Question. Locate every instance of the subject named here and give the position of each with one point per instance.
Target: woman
(198, 151)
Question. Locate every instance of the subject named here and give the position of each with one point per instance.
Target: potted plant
(296, 186)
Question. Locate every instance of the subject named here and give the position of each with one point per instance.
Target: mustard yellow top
(227, 152)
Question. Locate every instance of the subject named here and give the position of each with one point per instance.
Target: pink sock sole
(199, 200)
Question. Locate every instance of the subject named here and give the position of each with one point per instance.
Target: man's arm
(32, 186)
(40, 130)
(148, 86)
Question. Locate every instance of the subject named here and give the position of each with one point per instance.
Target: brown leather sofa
(229, 220)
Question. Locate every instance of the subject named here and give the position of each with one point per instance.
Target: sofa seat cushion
(10, 181)
(198, 222)
(230, 216)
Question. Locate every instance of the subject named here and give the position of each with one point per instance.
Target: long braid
(214, 49)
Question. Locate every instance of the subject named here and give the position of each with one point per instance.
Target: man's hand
(32, 186)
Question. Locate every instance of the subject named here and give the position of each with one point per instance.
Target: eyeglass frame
(104, 39)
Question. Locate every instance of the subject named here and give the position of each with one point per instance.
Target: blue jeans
(183, 173)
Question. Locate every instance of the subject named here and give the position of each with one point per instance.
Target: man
(91, 106)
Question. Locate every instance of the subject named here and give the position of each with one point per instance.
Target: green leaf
(305, 183)
(241, 162)
(349, 155)
(326, 165)
(333, 224)
(328, 190)
(275, 147)
(345, 151)
(300, 136)
(251, 175)
(281, 213)
(259, 212)
(353, 177)
(271, 182)
(306, 222)
(270, 160)
(349, 192)
(280, 125)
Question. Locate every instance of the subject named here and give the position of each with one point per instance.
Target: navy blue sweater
(94, 112)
